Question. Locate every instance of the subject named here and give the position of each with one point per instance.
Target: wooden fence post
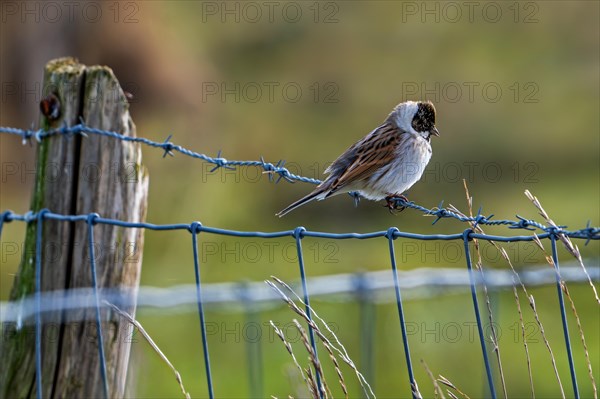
(79, 175)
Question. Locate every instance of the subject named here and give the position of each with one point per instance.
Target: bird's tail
(302, 201)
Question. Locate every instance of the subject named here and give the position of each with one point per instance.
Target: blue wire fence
(298, 234)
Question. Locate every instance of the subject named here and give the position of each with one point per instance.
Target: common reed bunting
(386, 162)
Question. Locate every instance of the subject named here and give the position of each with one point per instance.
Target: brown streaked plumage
(386, 162)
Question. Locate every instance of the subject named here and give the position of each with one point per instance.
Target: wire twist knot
(92, 219)
(391, 233)
(195, 227)
(299, 232)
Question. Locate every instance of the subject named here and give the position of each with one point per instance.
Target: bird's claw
(392, 203)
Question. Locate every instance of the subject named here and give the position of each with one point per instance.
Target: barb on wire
(276, 172)
(169, 148)
(29, 217)
(572, 249)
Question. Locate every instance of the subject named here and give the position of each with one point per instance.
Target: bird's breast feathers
(412, 156)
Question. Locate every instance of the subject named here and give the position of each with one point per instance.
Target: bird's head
(424, 118)
(416, 116)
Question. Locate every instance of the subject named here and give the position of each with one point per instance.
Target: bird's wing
(365, 157)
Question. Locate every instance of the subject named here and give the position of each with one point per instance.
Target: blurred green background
(516, 86)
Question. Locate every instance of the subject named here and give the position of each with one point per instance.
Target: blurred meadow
(517, 91)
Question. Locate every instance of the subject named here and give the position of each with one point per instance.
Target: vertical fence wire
(194, 229)
(298, 234)
(38, 303)
(563, 315)
(253, 345)
(368, 324)
(411, 377)
(90, 222)
(486, 359)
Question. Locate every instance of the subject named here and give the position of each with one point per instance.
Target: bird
(386, 162)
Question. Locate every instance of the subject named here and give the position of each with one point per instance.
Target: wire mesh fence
(32, 309)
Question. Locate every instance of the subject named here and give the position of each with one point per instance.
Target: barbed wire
(552, 232)
(298, 234)
(279, 169)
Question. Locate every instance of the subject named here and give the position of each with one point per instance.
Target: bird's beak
(435, 132)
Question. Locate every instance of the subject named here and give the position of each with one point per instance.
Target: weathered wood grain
(79, 175)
